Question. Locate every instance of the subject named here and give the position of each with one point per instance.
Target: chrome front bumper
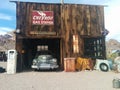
(44, 66)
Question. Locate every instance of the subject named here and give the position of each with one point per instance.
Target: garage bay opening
(32, 46)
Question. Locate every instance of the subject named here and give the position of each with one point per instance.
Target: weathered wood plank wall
(69, 19)
(82, 20)
(24, 17)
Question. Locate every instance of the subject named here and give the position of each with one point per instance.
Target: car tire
(57, 69)
(2, 70)
(104, 67)
(35, 69)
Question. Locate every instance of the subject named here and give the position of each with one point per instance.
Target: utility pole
(62, 1)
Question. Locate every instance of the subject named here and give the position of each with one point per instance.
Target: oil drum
(116, 83)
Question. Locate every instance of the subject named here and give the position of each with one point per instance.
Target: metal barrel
(116, 83)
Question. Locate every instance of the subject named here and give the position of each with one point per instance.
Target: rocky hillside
(112, 44)
(112, 48)
(7, 42)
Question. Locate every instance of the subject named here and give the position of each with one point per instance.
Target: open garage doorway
(30, 47)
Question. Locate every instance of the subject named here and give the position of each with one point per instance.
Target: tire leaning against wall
(102, 65)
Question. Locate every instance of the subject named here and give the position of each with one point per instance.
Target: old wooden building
(68, 30)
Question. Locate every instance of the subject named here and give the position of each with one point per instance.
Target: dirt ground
(39, 80)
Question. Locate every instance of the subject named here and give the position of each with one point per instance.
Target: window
(42, 47)
(94, 47)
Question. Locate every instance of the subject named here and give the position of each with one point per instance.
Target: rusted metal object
(116, 83)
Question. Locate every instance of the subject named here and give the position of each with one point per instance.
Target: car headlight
(44, 57)
(54, 60)
(34, 62)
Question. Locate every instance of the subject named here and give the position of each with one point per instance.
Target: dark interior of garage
(30, 49)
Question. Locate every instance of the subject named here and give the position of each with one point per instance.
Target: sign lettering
(42, 18)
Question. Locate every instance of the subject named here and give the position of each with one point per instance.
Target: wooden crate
(69, 64)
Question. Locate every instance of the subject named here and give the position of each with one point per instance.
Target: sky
(111, 14)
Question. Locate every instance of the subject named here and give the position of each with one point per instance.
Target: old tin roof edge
(59, 3)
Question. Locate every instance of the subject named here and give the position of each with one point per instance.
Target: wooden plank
(88, 20)
(27, 20)
(18, 14)
(67, 30)
(93, 20)
(19, 45)
(62, 20)
(81, 46)
(101, 19)
(74, 25)
(82, 20)
(98, 22)
(79, 18)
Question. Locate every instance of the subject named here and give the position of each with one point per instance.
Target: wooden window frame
(94, 47)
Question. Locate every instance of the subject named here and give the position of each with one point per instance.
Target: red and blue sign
(42, 17)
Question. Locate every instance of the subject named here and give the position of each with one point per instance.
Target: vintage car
(44, 60)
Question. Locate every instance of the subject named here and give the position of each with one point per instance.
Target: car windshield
(44, 57)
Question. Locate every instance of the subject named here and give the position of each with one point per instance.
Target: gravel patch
(39, 80)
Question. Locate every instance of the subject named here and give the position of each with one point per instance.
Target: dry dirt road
(31, 80)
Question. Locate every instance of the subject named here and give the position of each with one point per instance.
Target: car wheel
(35, 69)
(104, 67)
(57, 69)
